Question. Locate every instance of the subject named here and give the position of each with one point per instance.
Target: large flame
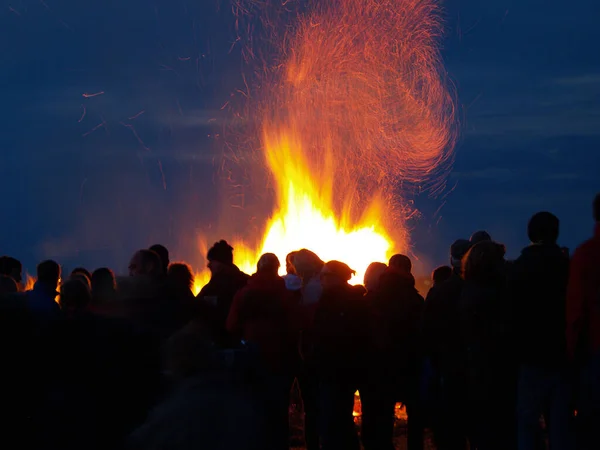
(354, 110)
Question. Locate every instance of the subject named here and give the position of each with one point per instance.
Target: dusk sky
(81, 175)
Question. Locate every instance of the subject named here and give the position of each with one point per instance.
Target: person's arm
(575, 306)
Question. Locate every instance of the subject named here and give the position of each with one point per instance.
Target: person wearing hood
(217, 296)
(261, 315)
(538, 290)
(442, 344)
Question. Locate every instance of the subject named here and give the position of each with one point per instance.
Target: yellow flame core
(355, 104)
(305, 218)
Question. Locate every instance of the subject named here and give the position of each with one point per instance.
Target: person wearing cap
(443, 346)
(340, 345)
(261, 315)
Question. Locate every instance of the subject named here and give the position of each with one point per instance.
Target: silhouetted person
(83, 277)
(75, 297)
(262, 316)
(583, 332)
(308, 266)
(443, 346)
(401, 263)
(377, 403)
(145, 262)
(41, 300)
(441, 274)
(104, 287)
(7, 286)
(396, 363)
(210, 407)
(83, 271)
(13, 268)
(479, 236)
(19, 361)
(293, 282)
(163, 254)
(486, 327)
(340, 348)
(373, 275)
(538, 288)
(183, 303)
(225, 281)
(181, 278)
(438, 277)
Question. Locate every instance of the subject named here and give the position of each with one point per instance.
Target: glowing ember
(355, 111)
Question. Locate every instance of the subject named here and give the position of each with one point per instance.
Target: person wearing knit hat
(221, 252)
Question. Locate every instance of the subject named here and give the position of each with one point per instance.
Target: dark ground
(297, 425)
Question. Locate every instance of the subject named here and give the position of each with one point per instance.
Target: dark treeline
(498, 355)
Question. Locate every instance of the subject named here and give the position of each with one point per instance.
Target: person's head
(372, 275)
(596, 208)
(220, 256)
(48, 273)
(307, 264)
(290, 269)
(163, 254)
(7, 285)
(484, 262)
(81, 277)
(480, 236)
(401, 263)
(458, 250)
(104, 284)
(145, 262)
(441, 274)
(335, 274)
(543, 228)
(75, 296)
(11, 267)
(268, 264)
(82, 270)
(181, 276)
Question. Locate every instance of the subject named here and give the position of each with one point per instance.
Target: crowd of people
(498, 355)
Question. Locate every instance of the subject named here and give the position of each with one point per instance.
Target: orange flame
(29, 282)
(355, 110)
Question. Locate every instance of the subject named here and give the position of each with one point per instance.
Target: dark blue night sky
(84, 190)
